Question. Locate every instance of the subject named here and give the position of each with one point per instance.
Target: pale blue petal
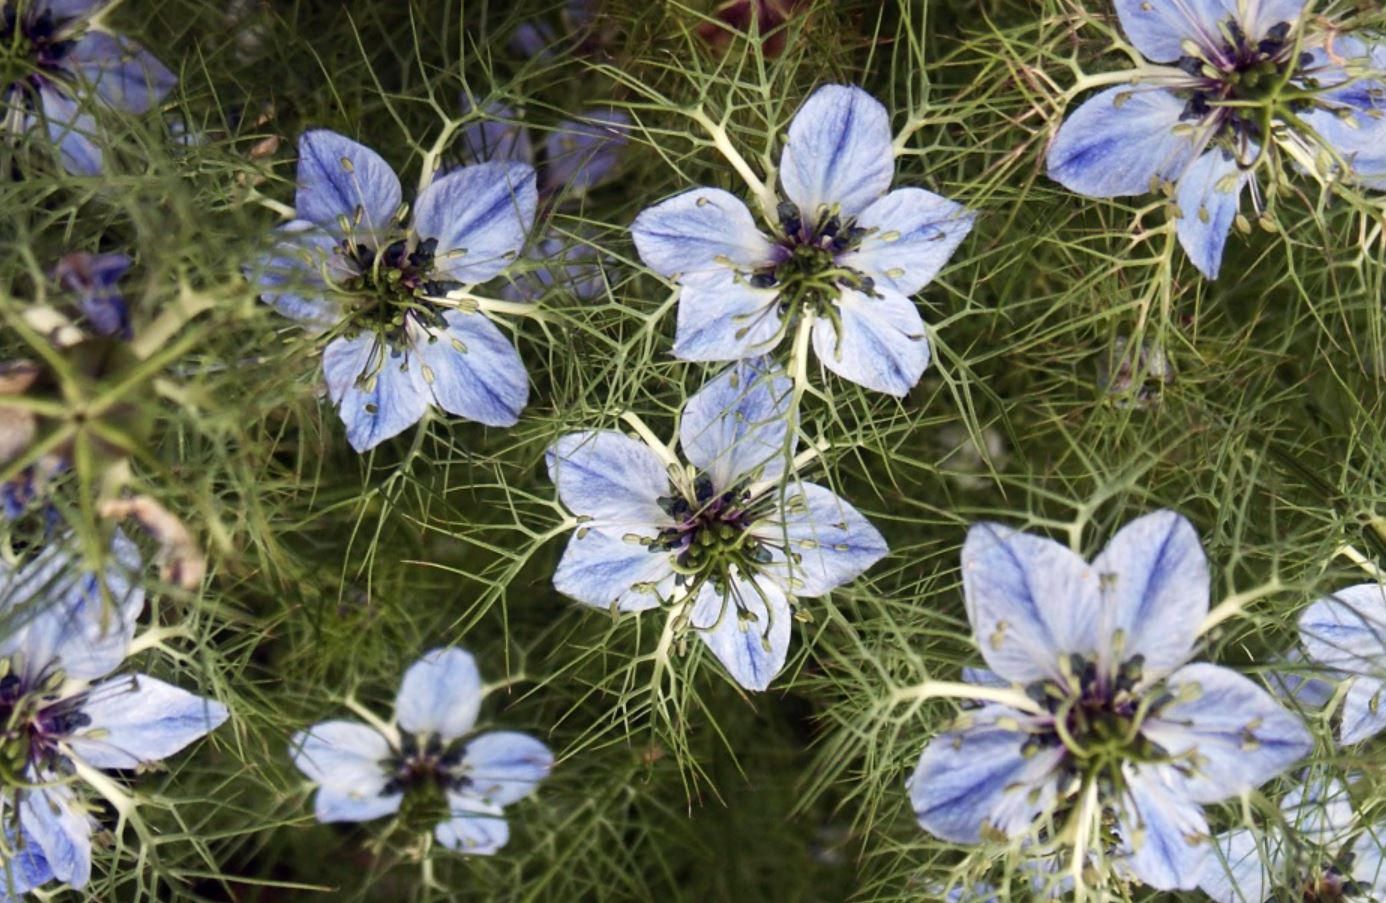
(127, 76)
(736, 427)
(601, 567)
(882, 347)
(984, 677)
(840, 153)
(975, 775)
(62, 828)
(480, 216)
(752, 651)
(345, 758)
(830, 542)
(333, 804)
(1208, 197)
(292, 275)
(1242, 736)
(1266, 13)
(1347, 630)
(1120, 142)
(1364, 710)
(440, 694)
(71, 131)
(1359, 139)
(379, 391)
(503, 767)
(700, 233)
(1319, 810)
(474, 828)
(1237, 871)
(498, 134)
(583, 154)
(1369, 862)
(25, 870)
(1295, 687)
(1164, 830)
(70, 9)
(136, 720)
(1155, 588)
(340, 181)
(722, 318)
(95, 280)
(911, 234)
(614, 480)
(1157, 28)
(472, 369)
(1031, 601)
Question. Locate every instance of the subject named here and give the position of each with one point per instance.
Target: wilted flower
(846, 252)
(1313, 856)
(720, 538)
(1119, 368)
(1346, 633)
(1237, 80)
(1120, 730)
(63, 718)
(429, 758)
(348, 264)
(68, 64)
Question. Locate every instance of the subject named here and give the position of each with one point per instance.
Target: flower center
(807, 272)
(1329, 886)
(1240, 81)
(33, 718)
(710, 535)
(29, 44)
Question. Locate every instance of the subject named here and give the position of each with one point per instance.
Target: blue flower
(1228, 69)
(846, 252)
(720, 541)
(1120, 727)
(1346, 633)
(22, 867)
(347, 265)
(94, 279)
(1311, 853)
(69, 63)
(61, 711)
(364, 772)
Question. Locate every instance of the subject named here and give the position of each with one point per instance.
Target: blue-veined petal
(25, 869)
(504, 766)
(440, 694)
(1358, 137)
(474, 828)
(752, 651)
(480, 216)
(582, 154)
(69, 9)
(1241, 735)
(1208, 196)
(601, 567)
(976, 777)
(1364, 710)
(379, 390)
(1155, 586)
(71, 130)
(1166, 835)
(1158, 28)
(345, 758)
(343, 182)
(699, 233)
(721, 317)
(293, 275)
(1347, 631)
(136, 720)
(497, 134)
(737, 426)
(127, 76)
(61, 826)
(335, 804)
(611, 478)
(839, 154)
(830, 542)
(1120, 141)
(1031, 601)
(472, 369)
(1262, 15)
(1369, 862)
(912, 234)
(882, 345)
(1239, 871)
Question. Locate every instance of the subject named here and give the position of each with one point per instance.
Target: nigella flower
(95, 280)
(66, 63)
(1119, 730)
(429, 759)
(720, 540)
(846, 252)
(64, 718)
(1311, 855)
(350, 265)
(1236, 77)
(1346, 633)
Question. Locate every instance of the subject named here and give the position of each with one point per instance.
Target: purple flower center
(1238, 81)
(806, 268)
(427, 765)
(709, 535)
(33, 719)
(393, 286)
(33, 45)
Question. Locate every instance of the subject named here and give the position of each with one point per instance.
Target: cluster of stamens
(1330, 886)
(394, 284)
(710, 535)
(1236, 84)
(425, 765)
(29, 45)
(33, 719)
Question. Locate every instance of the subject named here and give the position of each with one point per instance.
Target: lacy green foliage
(330, 572)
